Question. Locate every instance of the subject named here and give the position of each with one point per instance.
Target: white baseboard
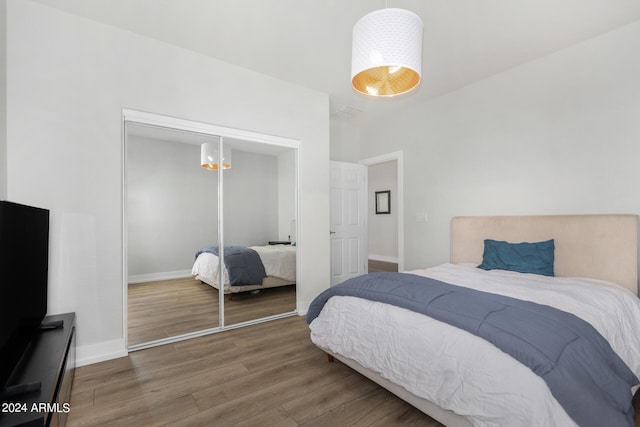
(94, 353)
(383, 258)
(303, 308)
(165, 275)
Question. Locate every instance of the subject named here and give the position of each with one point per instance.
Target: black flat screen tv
(24, 264)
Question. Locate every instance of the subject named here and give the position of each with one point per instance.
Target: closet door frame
(152, 119)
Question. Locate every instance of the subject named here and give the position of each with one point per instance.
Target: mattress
(459, 371)
(279, 262)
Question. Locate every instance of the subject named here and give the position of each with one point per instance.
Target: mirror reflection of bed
(248, 269)
(171, 213)
(259, 281)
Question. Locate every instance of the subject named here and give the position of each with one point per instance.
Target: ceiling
(308, 42)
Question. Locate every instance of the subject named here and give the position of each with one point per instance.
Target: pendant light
(209, 156)
(387, 52)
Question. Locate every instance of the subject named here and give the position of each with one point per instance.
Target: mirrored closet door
(171, 212)
(191, 224)
(259, 199)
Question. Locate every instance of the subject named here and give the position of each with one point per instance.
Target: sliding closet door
(171, 213)
(194, 193)
(259, 211)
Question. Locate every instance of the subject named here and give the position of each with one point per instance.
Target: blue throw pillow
(525, 257)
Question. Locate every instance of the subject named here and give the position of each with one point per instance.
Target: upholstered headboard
(598, 246)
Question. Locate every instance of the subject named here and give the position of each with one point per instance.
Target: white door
(348, 221)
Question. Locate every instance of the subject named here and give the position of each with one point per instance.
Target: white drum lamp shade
(386, 57)
(209, 156)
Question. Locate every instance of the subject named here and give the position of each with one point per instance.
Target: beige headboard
(597, 246)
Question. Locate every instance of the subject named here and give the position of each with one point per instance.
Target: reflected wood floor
(168, 308)
(268, 374)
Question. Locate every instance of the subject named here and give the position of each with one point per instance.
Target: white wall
(383, 228)
(3, 96)
(344, 141)
(558, 135)
(286, 196)
(67, 85)
(169, 212)
(251, 199)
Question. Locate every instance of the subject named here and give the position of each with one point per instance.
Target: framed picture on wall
(383, 202)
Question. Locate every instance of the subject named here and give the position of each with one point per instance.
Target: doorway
(385, 212)
(173, 208)
(352, 202)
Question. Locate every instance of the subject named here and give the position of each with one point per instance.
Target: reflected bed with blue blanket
(247, 268)
(243, 264)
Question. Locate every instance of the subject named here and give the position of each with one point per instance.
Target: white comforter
(278, 260)
(461, 372)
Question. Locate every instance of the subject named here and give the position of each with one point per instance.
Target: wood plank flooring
(375, 266)
(263, 375)
(172, 307)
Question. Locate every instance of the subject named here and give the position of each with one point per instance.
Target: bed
(279, 262)
(460, 379)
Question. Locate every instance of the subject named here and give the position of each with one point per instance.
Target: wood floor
(375, 266)
(263, 375)
(172, 307)
(268, 374)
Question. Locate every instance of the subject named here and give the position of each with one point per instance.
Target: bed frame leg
(330, 358)
(229, 297)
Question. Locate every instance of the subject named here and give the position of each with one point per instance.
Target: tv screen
(24, 262)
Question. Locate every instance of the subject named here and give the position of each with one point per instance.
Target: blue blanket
(582, 371)
(243, 264)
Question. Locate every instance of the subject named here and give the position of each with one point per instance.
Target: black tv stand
(18, 389)
(53, 324)
(39, 389)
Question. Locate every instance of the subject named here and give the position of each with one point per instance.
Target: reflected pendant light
(386, 58)
(209, 156)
